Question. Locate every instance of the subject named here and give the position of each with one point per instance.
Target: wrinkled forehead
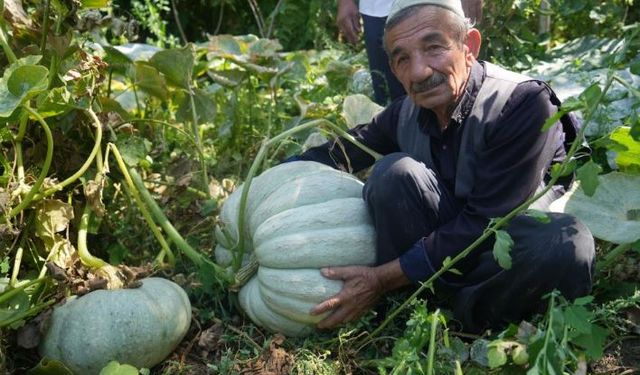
(419, 23)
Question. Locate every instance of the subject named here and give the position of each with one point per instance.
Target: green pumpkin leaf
(588, 177)
(176, 65)
(115, 368)
(591, 95)
(583, 300)
(635, 127)
(612, 212)
(133, 149)
(593, 342)
(628, 156)
(635, 68)
(359, 109)
(558, 171)
(540, 216)
(224, 44)
(21, 82)
(55, 102)
(149, 79)
(264, 47)
(116, 59)
(28, 80)
(578, 317)
(205, 108)
(502, 249)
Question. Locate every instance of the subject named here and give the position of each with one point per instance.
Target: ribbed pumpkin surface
(301, 216)
(137, 326)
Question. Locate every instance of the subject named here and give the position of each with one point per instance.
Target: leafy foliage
(187, 119)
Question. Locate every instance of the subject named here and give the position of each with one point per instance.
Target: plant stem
(178, 23)
(18, 141)
(273, 18)
(7, 295)
(612, 256)
(431, 356)
(52, 252)
(159, 122)
(166, 250)
(5, 43)
(45, 167)
(220, 17)
(16, 267)
(32, 311)
(197, 258)
(549, 331)
(87, 163)
(45, 27)
(255, 9)
(83, 252)
(196, 136)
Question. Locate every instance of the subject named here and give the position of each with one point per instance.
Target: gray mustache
(435, 80)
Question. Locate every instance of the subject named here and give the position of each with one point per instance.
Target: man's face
(430, 64)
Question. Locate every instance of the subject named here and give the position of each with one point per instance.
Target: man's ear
(473, 42)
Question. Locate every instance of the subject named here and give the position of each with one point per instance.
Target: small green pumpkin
(300, 216)
(137, 326)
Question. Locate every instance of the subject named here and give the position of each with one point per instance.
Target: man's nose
(419, 70)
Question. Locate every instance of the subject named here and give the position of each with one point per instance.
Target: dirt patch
(273, 361)
(622, 357)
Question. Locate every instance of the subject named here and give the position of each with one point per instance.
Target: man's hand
(473, 10)
(360, 291)
(362, 288)
(348, 20)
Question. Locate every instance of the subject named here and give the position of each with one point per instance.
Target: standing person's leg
(407, 202)
(556, 255)
(385, 84)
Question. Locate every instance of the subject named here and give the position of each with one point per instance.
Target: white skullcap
(453, 5)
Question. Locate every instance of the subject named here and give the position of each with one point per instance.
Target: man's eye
(401, 60)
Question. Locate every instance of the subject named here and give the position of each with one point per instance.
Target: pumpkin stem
(245, 273)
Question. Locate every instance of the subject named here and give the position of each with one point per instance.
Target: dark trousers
(407, 202)
(385, 85)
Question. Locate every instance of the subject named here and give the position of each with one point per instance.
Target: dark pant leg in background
(385, 85)
(407, 201)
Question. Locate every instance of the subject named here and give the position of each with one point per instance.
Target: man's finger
(337, 273)
(337, 318)
(326, 305)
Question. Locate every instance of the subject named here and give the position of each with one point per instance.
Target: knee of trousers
(394, 177)
(563, 248)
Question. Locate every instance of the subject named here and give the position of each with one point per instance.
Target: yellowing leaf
(52, 216)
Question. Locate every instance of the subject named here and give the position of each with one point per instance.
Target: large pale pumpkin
(137, 326)
(300, 217)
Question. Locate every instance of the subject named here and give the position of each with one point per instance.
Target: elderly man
(464, 146)
(374, 14)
